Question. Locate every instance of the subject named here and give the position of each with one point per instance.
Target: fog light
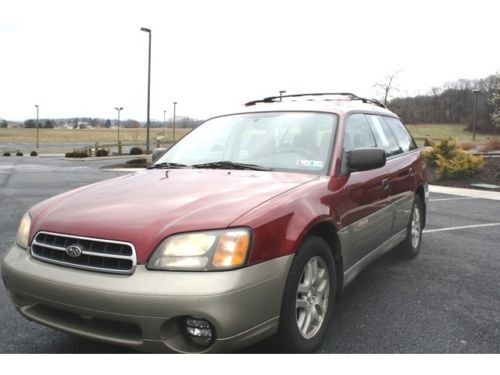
(200, 331)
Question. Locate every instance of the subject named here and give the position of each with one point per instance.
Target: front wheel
(410, 247)
(308, 298)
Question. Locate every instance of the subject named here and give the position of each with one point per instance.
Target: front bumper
(146, 310)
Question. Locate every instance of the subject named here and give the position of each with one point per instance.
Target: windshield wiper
(167, 166)
(230, 165)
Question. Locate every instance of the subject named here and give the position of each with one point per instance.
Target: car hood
(145, 207)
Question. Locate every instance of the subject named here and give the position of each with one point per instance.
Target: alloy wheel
(312, 297)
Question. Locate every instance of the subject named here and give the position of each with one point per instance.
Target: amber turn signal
(232, 249)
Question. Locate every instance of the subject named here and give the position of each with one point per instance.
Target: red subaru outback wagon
(251, 226)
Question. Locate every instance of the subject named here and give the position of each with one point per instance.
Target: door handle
(411, 172)
(385, 184)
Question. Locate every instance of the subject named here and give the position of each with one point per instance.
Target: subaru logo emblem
(74, 251)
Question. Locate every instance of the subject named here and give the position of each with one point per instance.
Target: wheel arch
(328, 232)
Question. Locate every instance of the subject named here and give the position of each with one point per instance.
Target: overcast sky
(83, 58)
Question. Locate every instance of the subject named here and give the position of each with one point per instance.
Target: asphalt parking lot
(447, 300)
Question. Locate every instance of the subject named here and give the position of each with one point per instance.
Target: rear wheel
(308, 298)
(410, 247)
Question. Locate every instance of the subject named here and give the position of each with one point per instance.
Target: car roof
(322, 102)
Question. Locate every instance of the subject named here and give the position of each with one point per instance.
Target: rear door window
(357, 135)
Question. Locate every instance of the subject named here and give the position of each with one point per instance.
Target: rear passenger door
(394, 138)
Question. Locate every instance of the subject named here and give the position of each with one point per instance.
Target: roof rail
(348, 95)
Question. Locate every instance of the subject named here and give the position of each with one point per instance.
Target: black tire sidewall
(289, 335)
(407, 250)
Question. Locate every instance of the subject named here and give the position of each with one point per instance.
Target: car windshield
(294, 141)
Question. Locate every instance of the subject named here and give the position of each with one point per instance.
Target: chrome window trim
(132, 257)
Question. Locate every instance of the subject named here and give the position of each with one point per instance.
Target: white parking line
(462, 227)
(450, 199)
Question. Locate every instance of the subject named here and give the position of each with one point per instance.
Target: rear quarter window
(402, 134)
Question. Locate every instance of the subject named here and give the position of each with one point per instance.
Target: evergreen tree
(30, 124)
(494, 102)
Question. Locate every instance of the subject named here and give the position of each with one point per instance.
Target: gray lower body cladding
(146, 310)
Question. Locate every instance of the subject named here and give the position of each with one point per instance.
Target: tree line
(454, 103)
(86, 122)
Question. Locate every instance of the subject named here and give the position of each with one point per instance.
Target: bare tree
(494, 102)
(387, 85)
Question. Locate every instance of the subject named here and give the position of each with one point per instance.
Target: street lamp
(475, 91)
(164, 122)
(149, 85)
(37, 125)
(281, 93)
(119, 109)
(175, 103)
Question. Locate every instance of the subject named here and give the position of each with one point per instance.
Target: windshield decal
(309, 163)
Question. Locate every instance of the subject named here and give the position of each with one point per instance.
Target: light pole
(149, 85)
(119, 109)
(175, 103)
(37, 125)
(164, 122)
(475, 91)
(281, 93)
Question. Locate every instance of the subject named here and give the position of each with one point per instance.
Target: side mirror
(364, 159)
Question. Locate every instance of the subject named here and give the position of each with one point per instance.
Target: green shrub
(101, 152)
(34, 153)
(6, 153)
(136, 151)
(447, 148)
(19, 153)
(76, 154)
(139, 161)
(452, 161)
(463, 165)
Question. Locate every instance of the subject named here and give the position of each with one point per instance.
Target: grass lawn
(435, 131)
(127, 135)
(440, 131)
(138, 136)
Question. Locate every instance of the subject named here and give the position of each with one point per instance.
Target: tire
(410, 246)
(309, 295)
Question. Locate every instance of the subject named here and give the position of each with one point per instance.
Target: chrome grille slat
(97, 254)
(53, 247)
(107, 255)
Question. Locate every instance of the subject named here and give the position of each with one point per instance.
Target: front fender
(281, 223)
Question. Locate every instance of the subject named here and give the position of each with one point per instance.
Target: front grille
(96, 254)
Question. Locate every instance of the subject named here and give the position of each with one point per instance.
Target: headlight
(23, 232)
(202, 251)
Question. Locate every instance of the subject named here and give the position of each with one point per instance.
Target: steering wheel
(297, 150)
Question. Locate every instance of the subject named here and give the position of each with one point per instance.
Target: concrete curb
(473, 193)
